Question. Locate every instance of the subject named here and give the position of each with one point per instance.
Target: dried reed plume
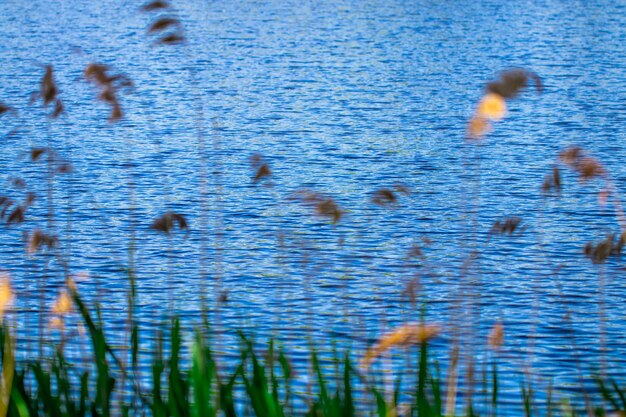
(40, 240)
(6, 293)
(323, 206)
(4, 108)
(406, 335)
(155, 5)
(507, 226)
(261, 168)
(168, 221)
(587, 167)
(109, 86)
(496, 336)
(63, 304)
(552, 182)
(601, 251)
(48, 93)
(168, 29)
(492, 106)
(386, 197)
(12, 213)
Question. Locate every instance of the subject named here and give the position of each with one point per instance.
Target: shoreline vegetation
(176, 378)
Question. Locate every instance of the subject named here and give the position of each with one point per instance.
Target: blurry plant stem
(170, 278)
(453, 381)
(131, 273)
(204, 209)
(602, 318)
(617, 203)
(572, 335)
(219, 222)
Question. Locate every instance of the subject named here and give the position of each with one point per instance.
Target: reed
(196, 379)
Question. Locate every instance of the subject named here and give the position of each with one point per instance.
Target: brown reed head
(40, 240)
(601, 251)
(506, 226)
(585, 166)
(109, 86)
(163, 23)
(168, 29)
(496, 336)
(155, 5)
(169, 221)
(406, 335)
(4, 108)
(323, 206)
(261, 168)
(48, 90)
(384, 197)
(552, 182)
(511, 82)
(492, 106)
(388, 197)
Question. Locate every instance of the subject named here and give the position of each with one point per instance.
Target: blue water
(344, 98)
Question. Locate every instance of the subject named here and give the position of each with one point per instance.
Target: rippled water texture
(341, 97)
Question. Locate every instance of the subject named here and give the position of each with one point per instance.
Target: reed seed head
(491, 107)
(406, 335)
(4, 108)
(63, 303)
(323, 206)
(478, 127)
(167, 222)
(6, 293)
(155, 5)
(496, 336)
(39, 240)
(384, 197)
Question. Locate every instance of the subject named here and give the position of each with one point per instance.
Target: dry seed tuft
(511, 82)
(415, 252)
(601, 251)
(39, 240)
(109, 86)
(63, 303)
(496, 336)
(48, 90)
(587, 167)
(163, 24)
(384, 197)
(171, 39)
(4, 108)
(552, 182)
(6, 293)
(323, 206)
(478, 127)
(492, 106)
(17, 215)
(406, 335)
(36, 153)
(388, 197)
(507, 226)
(155, 5)
(168, 221)
(18, 183)
(261, 167)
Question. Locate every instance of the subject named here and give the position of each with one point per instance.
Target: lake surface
(343, 98)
